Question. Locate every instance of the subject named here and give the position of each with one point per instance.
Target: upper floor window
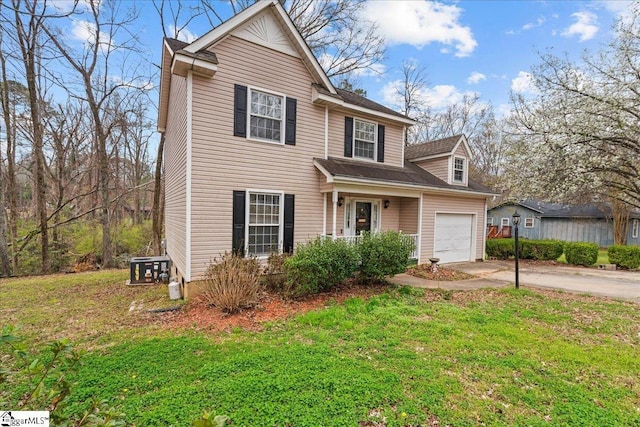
(458, 169)
(364, 141)
(266, 116)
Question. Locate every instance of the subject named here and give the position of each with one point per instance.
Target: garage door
(453, 237)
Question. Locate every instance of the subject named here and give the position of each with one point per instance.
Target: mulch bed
(443, 274)
(199, 316)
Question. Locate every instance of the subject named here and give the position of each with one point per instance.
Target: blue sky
(485, 47)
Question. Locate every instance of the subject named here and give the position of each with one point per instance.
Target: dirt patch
(198, 315)
(443, 274)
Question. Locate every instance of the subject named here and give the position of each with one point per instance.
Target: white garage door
(453, 237)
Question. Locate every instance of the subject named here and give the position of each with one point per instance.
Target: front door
(363, 217)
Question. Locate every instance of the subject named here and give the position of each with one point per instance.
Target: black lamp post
(516, 222)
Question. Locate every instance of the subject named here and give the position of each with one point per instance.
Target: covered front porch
(350, 212)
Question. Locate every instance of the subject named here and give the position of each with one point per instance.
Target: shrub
(42, 377)
(500, 248)
(580, 253)
(624, 256)
(274, 273)
(541, 249)
(384, 254)
(232, 282)
(319, 265)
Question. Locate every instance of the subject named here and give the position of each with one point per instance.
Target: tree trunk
(158, 201)
(5, 263)
(621, 213)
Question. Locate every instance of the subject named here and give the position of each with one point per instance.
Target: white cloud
(523, 83)
(476, 77)
(87, 33)
(541, 20)
(183, 34)
(585, 26)
(436, 97)
(420, 23)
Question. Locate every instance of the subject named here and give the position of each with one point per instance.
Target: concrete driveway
(615, 284)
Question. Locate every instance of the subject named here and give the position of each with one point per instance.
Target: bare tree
(28, 35)
(335, 31)
(106, 51)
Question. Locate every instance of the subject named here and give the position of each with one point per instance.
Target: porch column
(324, 214)
(419, 248)
(335, 212)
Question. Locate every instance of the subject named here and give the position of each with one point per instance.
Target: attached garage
(454, 237)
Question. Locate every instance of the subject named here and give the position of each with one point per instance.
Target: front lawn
(403, 357)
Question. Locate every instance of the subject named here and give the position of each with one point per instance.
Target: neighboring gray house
(571, 223)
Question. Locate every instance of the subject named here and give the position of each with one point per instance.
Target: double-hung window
(264, 225)
(458, 169)
(364, 140)
(266, 114)
(634, 228)
(529, 222)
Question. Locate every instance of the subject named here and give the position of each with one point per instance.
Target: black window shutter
(289, 208)
(290, 131)
(381, 143)
(239, 198)
(240, 111)
(348, 136)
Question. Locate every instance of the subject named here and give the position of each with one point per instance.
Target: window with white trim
(504, 222)
(266, 116)
(364, 139)
(634, 228)
(458, 169)
(528, 222)
(264, 223)
(489, 221)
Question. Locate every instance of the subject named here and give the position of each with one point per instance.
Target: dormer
(446, 158)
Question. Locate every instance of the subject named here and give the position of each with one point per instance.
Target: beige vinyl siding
(223, 163)
(450, 204)
(175, 173)
(461, 152)
(392, 136)
(438, 167)
(409, 215)
(390, 217)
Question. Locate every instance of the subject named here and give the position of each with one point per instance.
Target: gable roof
(178, 46)
(437, 148)
(410, 174)
(220, 32)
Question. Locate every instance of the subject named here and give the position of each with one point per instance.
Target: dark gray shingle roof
(355, 99)
(431, 148)
(409, 174)
(566, 210)
(178, 47)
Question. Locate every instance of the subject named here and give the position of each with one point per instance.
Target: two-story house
(262, 152)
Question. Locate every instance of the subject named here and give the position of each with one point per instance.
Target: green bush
(319, 265)
(544, 250)
(581, 253)
(232, 282)
(624, 256)
(500, 248)
(42, 378)
(384, 254)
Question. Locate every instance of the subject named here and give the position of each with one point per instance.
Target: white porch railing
(355, 239)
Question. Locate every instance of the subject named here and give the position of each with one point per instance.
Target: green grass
(490, 357)
(603, 257)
